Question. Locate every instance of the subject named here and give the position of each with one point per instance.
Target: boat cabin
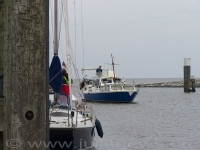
(104, 78)
(96, 82)
(106, 81)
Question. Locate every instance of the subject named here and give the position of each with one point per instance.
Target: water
(160, 119)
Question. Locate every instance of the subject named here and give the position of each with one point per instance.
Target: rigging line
(82, 33)
(51, 44)
(76, 73)
(68, 35)
(61, 16)
(70, 45)
(75, 27)
(77, 76)
(108, 59)
(71, 56)
(55, 75)
(60, 24)
(51, 32)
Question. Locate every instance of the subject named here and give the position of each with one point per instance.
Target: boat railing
(86, 111)
(117, 87)
(128, 87)
(138, 88)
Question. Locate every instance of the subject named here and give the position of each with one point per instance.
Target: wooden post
(25, 63)
(1, 36)
(186, 74)
(1, 72)
(193, 84)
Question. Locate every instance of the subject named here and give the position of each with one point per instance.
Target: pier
(174, 84)
(24, 73)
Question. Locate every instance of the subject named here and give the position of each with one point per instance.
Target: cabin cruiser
(106, 87)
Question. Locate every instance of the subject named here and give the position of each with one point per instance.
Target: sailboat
(105, 86)
(72, 122)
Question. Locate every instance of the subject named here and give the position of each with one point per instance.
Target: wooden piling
(1, 123)
(1, 36)
(1, 72)
(24, 68)
(192, 81)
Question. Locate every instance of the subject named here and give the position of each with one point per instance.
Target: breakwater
(168, 84)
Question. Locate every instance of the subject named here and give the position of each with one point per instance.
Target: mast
(113, 68)
(68, 47)
(55, 38)
(55, 27)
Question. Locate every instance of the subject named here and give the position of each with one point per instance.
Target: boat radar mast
(113, 65)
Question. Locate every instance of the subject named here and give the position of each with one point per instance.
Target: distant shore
(168, 84)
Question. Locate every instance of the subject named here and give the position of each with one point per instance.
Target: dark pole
(113, 67)
(47, 73)
(186, 74)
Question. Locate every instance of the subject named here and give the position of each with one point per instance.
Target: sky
(148, 38)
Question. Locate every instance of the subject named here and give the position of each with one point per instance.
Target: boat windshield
(63, 99)
(118, 80)
(96, 82)
(106, 81)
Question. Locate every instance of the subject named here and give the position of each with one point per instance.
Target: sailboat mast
(68, 47)
(55, 27)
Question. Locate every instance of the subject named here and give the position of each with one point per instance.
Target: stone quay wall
(168, 84)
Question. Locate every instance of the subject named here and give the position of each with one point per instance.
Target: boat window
(96, 82)
(118, 81)
(92, 81)
(104, 81)
(109, 80)
(63, 99)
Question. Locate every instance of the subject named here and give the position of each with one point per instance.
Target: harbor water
(159, 119)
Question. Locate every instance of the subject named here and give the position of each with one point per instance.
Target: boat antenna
(113, 64)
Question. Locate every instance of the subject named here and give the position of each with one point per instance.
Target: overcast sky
(148, 38)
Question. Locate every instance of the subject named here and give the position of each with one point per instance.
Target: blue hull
(122, 97)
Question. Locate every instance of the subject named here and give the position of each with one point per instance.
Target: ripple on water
(160, 119)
